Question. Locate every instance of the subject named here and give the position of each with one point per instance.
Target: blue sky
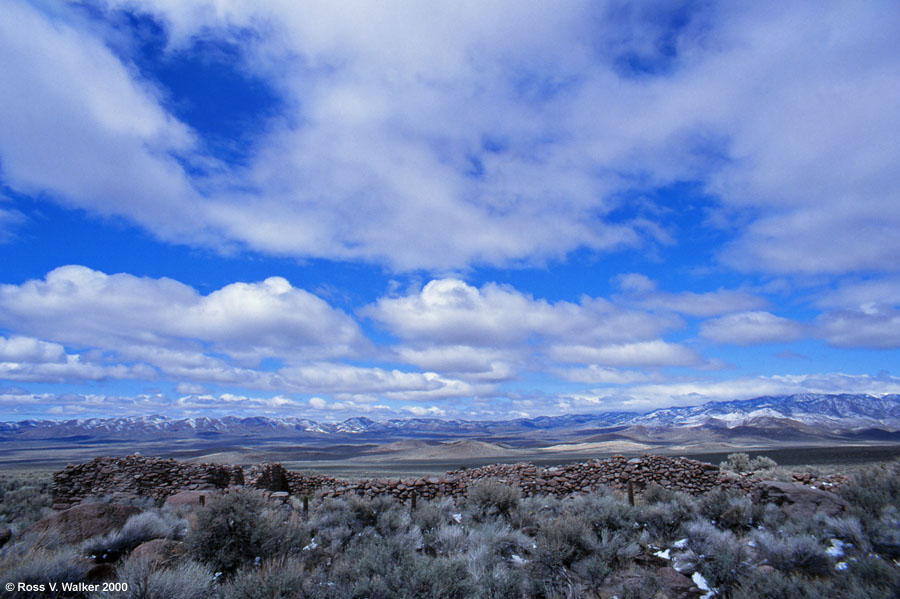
(461, 210)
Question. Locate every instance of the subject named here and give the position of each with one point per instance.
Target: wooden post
(412, 506)
(630, 492)
(306, 505)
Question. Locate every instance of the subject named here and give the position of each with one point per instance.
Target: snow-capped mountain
(832, 412)
(828, 413)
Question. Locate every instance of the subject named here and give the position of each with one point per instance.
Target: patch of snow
(457, 518)
(701, 583)
(518, 559)
(837, 548)
(680, 544)
(841, 566)
(312, 545)
(663, 554)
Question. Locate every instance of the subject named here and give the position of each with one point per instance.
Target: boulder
(158, 552)
(799, 501)
(678, 585)
(84, 521)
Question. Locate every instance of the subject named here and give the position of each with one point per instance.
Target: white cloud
(464, 361)
(645, 354)
(471, 134)
(594, 375)
(26, 349)
(342, 380)
(166, 322)
(872, 325)
(640, 290)
(450, 311)
(749, 328)
(190, 389)
(74, 122)
(431, 412)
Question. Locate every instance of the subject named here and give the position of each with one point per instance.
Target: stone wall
(689, 476)
(158, 478)
(135, 475)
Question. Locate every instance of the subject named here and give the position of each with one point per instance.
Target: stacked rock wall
(680, 474)
(137, 476)
(159, 478)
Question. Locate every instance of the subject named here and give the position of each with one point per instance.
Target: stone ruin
(158, 478)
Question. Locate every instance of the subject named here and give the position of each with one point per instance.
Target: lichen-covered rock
(799, 501)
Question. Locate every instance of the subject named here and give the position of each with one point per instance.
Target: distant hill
(865, 416)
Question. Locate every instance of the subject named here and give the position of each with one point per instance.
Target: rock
(84, 521)
(188, 499)
(158, 551)
(799, 501)
(678, 585)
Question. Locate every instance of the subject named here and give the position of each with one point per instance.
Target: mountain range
(810, 413)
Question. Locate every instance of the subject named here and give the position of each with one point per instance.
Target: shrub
(665, 519)
(235, 528)
(792, 554)
(187, 580)
(431, 515)
(490, 497)
(729, 507)
(602, 512)
(278, 578)
(849, 530)
(741, 462)
(762, 463)
(886, 536)
(656, 493)
(24, 499)
(724, 558)
(870, 490)
(876, 575)
(137, 529)
(447, 540)
(41, 566)
(501, 582)
(561, 542)
(493, 542)
(775, 585)
(738, 514)
(736, 462)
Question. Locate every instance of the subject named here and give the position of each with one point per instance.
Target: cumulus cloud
(26, 349)
(450, 311)
(750, 328)
(162, 320)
